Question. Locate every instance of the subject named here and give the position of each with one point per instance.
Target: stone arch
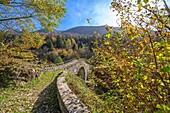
(82, 73)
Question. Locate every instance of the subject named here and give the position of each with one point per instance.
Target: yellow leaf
(131, 27)
(168, 47)
(129, 32)
(160, 54)
(145, 77)
(140, 6)
(141, 52)
(112, 58)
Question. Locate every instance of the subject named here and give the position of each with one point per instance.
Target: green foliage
(68, 44)
(87, 96)
(145, 1)
(51, 56)
(60, 41)
(108, 35)
(138, 1)
(59, 60)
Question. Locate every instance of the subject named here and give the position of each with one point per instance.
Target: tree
(60, 41)
(21, 17)
(68, 44)
(51, 56)
(30, 40)
(50, 42)
(59, 60)
(134, 65)
(16, 15)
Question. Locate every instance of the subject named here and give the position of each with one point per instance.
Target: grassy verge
(87, 96)
(35, 96)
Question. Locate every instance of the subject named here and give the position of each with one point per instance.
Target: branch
(166, 7)
(158, 18)
(16, 18)
(16, 2)
(19, 4)
(153, 50)
(10, 28)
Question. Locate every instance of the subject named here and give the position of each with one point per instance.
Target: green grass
(87, 96)
(35, 96)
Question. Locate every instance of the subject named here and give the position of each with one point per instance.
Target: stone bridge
(78, 67)
(68, 101)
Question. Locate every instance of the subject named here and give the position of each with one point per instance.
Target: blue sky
(79, 10)
(98, 10)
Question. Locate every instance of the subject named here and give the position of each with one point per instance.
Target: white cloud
(99, 12)
(104, 15)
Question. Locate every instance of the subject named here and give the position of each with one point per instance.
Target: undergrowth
(35, 96)
(86, 95)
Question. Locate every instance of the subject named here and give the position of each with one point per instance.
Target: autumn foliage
(132, 67)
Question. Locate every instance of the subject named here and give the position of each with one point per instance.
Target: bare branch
(16, 18)
(166, 7)
(10, 28)
(168, 27)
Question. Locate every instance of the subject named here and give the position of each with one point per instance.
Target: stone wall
(68, 101)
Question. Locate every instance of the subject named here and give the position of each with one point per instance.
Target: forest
(131, 65)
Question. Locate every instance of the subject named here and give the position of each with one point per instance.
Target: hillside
(45, 31)
(87, 30)
(81, 30)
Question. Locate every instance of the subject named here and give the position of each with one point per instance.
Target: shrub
(59, 60)
(133, 68)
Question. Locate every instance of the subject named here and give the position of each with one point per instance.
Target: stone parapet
(68, 101)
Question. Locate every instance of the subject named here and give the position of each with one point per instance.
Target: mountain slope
(87, 30)
(44, 31)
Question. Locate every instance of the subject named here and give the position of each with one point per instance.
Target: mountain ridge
(82, 30)
(88, 30)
